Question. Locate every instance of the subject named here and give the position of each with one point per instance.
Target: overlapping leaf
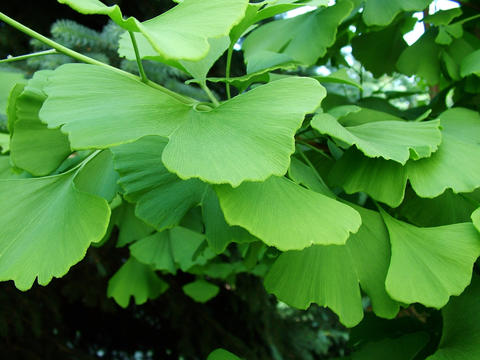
(162, 199)
(392, 140)
(383, 180)
(461, 326)
(428, 265)
(286, 215)
(303, 39)
(201, 290)
(180, 33)
(454, 166)
(331, 275)
(249, 137)
(137, 280)
(38, 237)
(380, 12)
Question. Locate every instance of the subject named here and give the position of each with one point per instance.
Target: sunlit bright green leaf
(272, 211)
(330, 275)
(303, 38)
(455, 165)
(381, 12)
(249, 137)
(48, 227)
(392, 140)
(155, 250)
(180, 33)
(429, 265)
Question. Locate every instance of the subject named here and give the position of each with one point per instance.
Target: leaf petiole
(143, 76)
(86, 59)
(29, 56)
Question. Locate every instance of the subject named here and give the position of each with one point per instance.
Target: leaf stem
(141, 70)
(227, 70)
(317, 174)
(310, 146)
(28, 56)
(88, 60)
(211, 96)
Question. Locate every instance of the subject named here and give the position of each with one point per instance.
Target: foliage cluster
(329, 196)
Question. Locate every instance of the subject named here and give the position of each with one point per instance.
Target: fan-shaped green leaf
(221, 354)
(180, 33)
(219, 234)
(429, 265)
(258, 125)
(422, 58)
(461, 326)
(4, 143)
(405, 347)
(162, 198)
(39, 237)
(392, 140)
(330, 275)
(272, 211)
(455, 165)
(130, 227)
(35, 147)
(476, 218)
(383, 180)
(471, 64)
(155, 250)
(201, 290)
(249, 137)
(137, 280)
(381, 12)
(8, 79)
(303, 38)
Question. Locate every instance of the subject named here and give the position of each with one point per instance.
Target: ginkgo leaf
(180, 33)
(331, 275)
(383, 180)
(162, 199)
(98, 176)
(219, 234)
(222, 354)
(137, 280)
(201, 290)
(4, 143)
(50, 147)
(392, 140)
(249, 137)
(340, 76)
(186, 245)
(94, 121)
(7, 83)
(380, 12)
(461, 326)
(429, 265)
(45, 248)
(422, 58)
(318, 274)
(130, 227)
(454, 166)
(405, 347)
(304, 38)
(470, 64)
(476, 218)
(272, 211)
(198, 69)
(446, 209)
(155, 250)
